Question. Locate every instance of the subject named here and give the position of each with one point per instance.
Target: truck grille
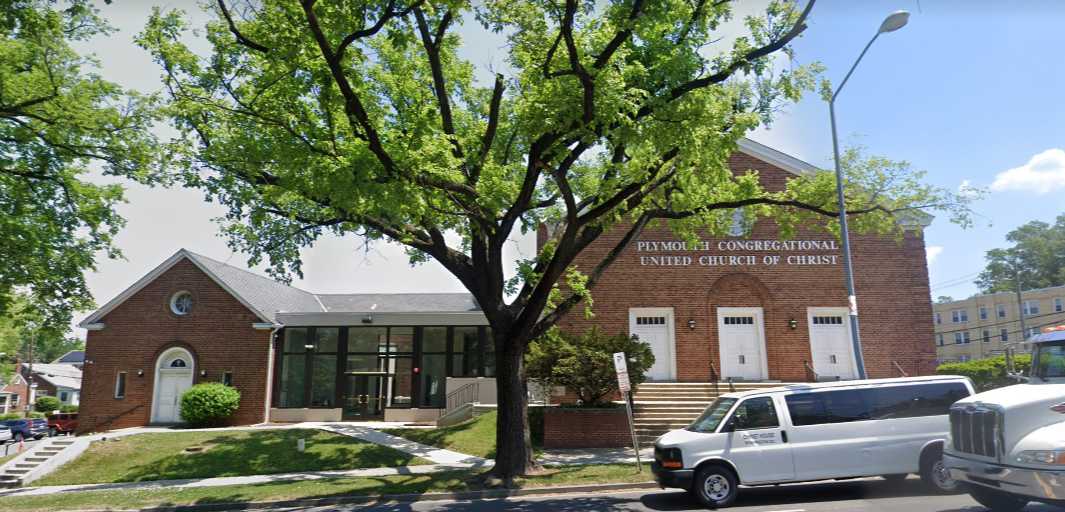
(975, 430)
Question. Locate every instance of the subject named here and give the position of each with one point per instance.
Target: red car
(62, 423)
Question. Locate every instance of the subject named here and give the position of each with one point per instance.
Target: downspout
(274, 328)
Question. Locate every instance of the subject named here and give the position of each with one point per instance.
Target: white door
(830, 343)
(757, 442)
(654, 326)
(171, 386)
(741, 340)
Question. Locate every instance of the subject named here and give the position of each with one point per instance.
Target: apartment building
(982, 325)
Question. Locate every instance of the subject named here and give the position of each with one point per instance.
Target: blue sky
(967, 91)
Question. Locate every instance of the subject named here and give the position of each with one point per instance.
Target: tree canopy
(322, 117)
(1037, 258)
(59, 123)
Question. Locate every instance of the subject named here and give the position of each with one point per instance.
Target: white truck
(1007, 446)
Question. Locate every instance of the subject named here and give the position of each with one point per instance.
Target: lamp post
(893, 22)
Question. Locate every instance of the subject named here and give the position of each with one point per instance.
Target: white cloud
(1044, 173)
(932, 252)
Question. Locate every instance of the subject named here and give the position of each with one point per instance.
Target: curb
(404, 498)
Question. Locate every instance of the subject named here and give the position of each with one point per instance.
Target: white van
(882, 427)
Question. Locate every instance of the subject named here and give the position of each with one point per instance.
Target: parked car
(5, 435)
(34, 428)
(62, 423)
(838, 430)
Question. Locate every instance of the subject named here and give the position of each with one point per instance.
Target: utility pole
(1020, 302)
(30, 388)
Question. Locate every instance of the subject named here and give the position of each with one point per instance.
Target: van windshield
(1050, 361)
(712, 416)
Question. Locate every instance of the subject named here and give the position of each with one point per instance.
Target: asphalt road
(867, 495)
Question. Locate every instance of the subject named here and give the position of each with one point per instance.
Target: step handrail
(467, 394)
(812, 374)
(714, 378)
(899, 368)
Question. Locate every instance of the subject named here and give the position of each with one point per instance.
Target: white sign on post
(622, 370)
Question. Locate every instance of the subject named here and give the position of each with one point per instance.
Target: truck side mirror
(1011, 369)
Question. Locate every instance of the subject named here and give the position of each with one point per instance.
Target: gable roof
(262, 295)
(72, 357)
(59, 375)
(774, 157)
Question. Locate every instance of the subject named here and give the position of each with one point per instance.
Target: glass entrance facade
(364, 370)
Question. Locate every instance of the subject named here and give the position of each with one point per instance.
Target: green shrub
(585, 363)
(68, 408)
(987, 373)
(46, 404)
(35, 414)
(11, 416)
(209, 404)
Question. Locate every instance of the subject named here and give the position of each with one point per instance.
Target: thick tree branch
(432, 51)
(233, 28)
(620, 37)
(389, 13)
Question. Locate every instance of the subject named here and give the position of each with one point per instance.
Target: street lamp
(893, 22)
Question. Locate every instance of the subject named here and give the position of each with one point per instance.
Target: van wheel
(997, 501)
(715, 486)
(935, 474)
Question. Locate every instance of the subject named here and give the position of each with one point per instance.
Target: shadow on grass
(268, 452)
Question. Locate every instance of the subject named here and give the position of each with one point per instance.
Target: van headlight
(1048, 457)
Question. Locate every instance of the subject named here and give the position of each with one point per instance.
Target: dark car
(62, 423)
(35, 428)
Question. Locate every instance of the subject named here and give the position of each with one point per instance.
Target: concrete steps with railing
(659, 407)
(15, 472)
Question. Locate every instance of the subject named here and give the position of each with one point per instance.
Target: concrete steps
(659, 407)
(15, 470)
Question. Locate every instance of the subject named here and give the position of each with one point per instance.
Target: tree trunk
(514, 455)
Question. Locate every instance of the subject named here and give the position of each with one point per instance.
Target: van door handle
(784, 436)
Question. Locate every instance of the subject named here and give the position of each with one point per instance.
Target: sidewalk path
(437, 455)
(595, 456)
(234, 480)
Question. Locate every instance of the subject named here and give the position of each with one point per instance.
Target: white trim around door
(741, 343)
(656, 326)
(174, 372)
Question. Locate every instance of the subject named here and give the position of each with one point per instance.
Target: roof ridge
(393, 293)
(246, 271)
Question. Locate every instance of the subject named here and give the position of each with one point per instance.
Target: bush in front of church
(584, 363)
(46, 404)
(209, 405)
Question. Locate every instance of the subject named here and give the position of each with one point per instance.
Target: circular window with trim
(181, 303)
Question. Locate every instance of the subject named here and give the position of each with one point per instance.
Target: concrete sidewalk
(236, 480)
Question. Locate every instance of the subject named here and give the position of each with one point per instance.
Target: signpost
(625, 387)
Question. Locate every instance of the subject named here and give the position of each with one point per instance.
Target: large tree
(57, 119)
(361, 117)
(1036, 259)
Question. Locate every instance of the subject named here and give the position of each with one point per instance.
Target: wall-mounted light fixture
(691, 323)
(203, 373)
(793, 323)
(140, 373)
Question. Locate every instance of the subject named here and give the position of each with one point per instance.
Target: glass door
(364, 395)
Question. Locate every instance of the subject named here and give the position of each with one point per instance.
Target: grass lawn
(445, 481)
(222, 453)
(473, 437)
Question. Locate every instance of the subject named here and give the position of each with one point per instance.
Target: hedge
(987, 373)
(47, 404)
(210, 404)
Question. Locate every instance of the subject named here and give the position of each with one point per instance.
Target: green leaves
(1037, 258)
(585, 364)
(58, 122)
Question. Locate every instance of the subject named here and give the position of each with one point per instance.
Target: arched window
(178, 363)
(181, 303)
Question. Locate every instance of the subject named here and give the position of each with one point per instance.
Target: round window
(181, 303)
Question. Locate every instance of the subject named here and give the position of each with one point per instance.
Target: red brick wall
(218, 332)
(586, 428)
(892, 287)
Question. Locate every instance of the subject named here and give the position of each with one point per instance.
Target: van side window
(840, 406)
(755, 413)
(915, 401)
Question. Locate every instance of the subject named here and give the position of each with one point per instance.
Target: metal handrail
(899, 368)
(731, 386)
(815, 377)
(714, 378)
(119, 415)
(462, 396)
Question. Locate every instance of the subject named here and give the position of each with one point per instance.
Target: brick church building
(751, 306)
